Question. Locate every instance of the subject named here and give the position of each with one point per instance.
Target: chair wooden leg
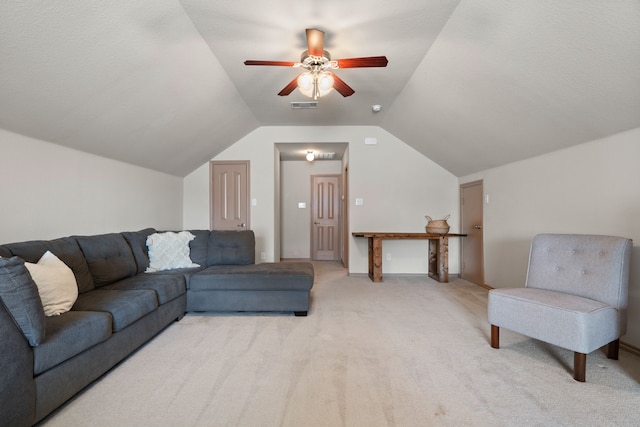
(495, 336)
(579, 366)
(612, 349)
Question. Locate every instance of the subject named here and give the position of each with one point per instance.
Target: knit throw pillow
(169, 250)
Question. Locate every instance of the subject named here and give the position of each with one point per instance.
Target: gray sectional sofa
(47, 360)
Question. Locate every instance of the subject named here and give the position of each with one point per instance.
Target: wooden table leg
(443, 262)
(375, 259)
(432, 258)
(439, 259)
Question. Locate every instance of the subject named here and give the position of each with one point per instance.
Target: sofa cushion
(19, 294)
(109, 257)
(65, 248)
(198, 246)
(56, 284)
(185, 273)
(125, 306)
(167, 287)
(231, 247)
(137, 241)
(286, 276)
(4, 252)
(70, 334)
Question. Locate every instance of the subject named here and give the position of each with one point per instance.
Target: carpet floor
(406, 352)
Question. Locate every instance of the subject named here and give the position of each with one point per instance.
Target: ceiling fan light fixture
(325, 82)
(306, 83)
(317, 80)
(315, 84)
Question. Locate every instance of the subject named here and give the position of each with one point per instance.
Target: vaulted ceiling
(470, 84)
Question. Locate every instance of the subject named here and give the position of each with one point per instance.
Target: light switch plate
(359, 202)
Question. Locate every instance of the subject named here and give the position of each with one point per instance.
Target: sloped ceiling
(470, 84)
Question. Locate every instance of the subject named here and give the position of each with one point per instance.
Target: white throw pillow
(56, 284)
(169, 250)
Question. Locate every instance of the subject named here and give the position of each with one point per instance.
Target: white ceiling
(470, 84)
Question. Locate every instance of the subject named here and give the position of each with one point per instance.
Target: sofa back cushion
(65, 248)
(231, 247)
(19, 294)
(137, 241)
(198, 246)
(109, 257)
(4, 252)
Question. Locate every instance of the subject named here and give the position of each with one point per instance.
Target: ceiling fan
(317, 79)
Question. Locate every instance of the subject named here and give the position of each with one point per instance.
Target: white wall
(399, 187)
(50, 191)
(296, 188)
(592, 188)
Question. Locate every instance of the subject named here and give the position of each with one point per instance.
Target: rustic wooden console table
(438, 252)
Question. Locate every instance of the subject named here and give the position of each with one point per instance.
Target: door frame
(345, 214)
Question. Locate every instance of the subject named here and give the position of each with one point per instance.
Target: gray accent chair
(575, 296)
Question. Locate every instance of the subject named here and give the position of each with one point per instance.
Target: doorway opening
(300, 202)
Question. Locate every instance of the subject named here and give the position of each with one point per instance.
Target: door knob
(477, 227)
(242, 225)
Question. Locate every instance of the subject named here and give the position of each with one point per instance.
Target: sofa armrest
(17, 386)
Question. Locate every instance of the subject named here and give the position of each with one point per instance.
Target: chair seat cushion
(69, 334)
(572, 322)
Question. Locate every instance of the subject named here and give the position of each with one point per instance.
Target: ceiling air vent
(325, 156)
(303, 105)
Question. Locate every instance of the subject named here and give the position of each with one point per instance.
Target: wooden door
(325, 217)
(229, 188)
(471, 201)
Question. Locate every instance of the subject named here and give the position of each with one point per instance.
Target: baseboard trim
(630, 348)
(426, 275)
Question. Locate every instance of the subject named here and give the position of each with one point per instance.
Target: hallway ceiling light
(310, 155)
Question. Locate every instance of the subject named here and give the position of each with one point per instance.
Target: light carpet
(406, 352)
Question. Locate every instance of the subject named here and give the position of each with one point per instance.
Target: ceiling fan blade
(293, 84)
(370, 61)
(341, 87)
(315, 42)
(276, 63)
